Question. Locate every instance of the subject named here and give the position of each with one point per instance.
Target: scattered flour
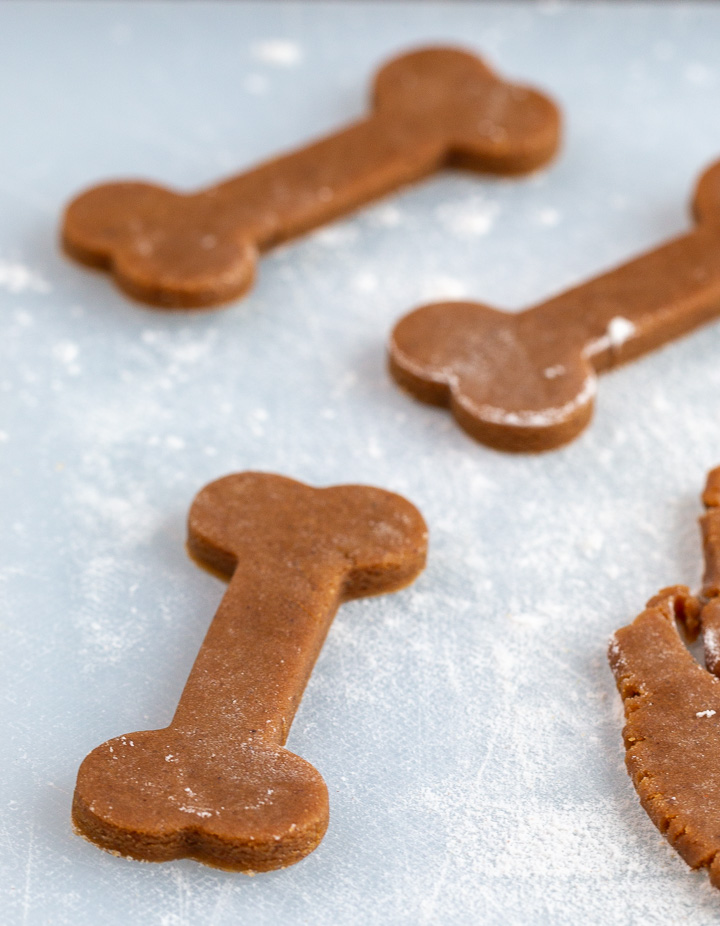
(386, 215)
(442, 287)
(515, 685)
(256, 420)
(336, 236)
(619, 330)
(548, 217)
(108, 632)
(365, 282)
(17, 278)
(527, 418)
(67, 353)
(278, 52)
(469, 218)
(554, 372)
(124, 520)
(711, 642)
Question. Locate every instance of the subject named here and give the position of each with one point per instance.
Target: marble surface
(468, 728)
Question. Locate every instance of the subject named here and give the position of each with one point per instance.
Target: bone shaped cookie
(526, 381)
(218, 785)
(672, 706)
(432, 108)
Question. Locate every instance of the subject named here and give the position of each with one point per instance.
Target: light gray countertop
(468, 728)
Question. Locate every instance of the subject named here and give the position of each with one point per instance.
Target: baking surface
(468, 728)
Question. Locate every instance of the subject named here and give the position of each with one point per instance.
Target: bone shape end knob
(526, 381)
(479, 121)
(218, 785)
(159, 795)
(432, 108)
(503, 384)
(167, 249)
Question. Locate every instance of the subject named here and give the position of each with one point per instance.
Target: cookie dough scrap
(217, 784)
(672, 733)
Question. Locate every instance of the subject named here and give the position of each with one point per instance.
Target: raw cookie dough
(672, 705)
(672, 733)
(432, 108)
(217, 784)
(526, 381)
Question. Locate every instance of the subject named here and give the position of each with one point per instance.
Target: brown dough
(710, 526)
(217, 784)
(432, 108)
(672, 705)
(526, 381)
(710, 617)
(672, 734)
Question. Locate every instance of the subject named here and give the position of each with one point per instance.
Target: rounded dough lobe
(672, 733)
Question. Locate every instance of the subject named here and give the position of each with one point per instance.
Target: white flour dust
(278, 52)
(470, 218)
(17, 278)
(548, 218)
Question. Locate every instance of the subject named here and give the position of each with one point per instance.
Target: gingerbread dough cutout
(218, 785)
(432, 108)
(526, 381)
(672, 707)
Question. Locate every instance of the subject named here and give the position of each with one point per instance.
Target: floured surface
(468, 728)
